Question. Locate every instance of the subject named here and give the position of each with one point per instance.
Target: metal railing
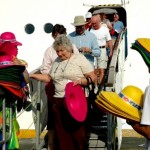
(39, 109)
(5, 138)
(115, 83)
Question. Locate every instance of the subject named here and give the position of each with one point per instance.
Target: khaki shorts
(101, 62)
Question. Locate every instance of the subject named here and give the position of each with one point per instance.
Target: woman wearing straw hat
(67, 67)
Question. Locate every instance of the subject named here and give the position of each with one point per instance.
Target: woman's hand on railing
(41, 77)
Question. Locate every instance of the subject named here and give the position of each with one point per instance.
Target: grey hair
(62, 40)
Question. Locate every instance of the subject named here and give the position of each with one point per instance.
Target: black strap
(89, 81)
(90, 28)
(90, 84)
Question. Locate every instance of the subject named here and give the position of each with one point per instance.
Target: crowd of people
(75, 57)
(62, 63)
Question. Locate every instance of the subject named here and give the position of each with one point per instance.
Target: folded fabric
(11, 78)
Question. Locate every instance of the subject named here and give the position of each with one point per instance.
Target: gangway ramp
(108, 129)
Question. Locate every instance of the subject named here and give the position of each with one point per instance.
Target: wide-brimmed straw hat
(79, 21)
(76, 101)
(127, 104)
(11, 79)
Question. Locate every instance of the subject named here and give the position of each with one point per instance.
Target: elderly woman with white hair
(68, 66)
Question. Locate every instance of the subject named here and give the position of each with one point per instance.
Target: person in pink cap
(8, 47)
(8, 57)
(9, 37)
(9, 41)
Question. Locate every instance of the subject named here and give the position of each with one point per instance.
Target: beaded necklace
(62, 69)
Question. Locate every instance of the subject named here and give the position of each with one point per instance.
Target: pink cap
(9, 37)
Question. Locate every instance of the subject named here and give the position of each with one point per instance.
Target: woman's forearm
(41, 77)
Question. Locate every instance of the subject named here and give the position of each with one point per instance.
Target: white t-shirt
(70, 69)
(102, 35)
(145, 119)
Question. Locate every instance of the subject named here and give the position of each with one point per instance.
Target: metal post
(109, 132)
(10, 122)
(4, 138)
(4, 124)
(38, 115)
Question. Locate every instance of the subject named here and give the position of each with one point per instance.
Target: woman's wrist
(79, 82)
(83, 81)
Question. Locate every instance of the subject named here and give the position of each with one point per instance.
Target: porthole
(48, 27)
(29, 28)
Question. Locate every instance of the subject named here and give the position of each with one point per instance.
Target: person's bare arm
(41, 77)
(109, 25)
(83, 80)
(141, 129)
(110, 45)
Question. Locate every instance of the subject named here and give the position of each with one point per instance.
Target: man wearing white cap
(88, 17)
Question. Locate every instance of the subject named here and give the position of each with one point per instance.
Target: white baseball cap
(88, 15)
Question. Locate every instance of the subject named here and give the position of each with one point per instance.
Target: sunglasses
(79, 27)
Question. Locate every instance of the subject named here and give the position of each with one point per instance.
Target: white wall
(136, 72)
(15, 14)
